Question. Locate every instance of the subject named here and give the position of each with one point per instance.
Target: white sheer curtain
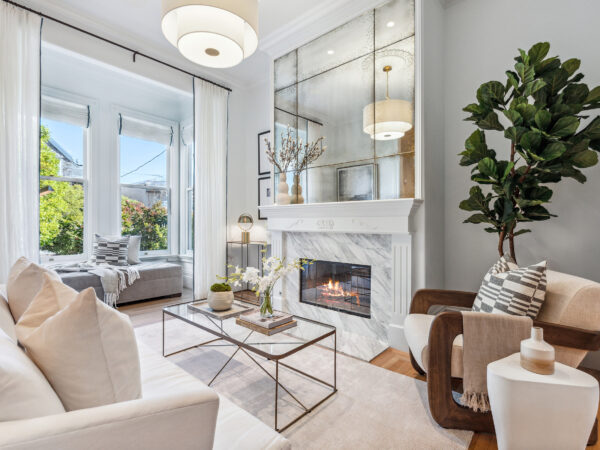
(19, 135)
(210, 129)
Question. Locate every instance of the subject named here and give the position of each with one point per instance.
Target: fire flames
(333, 289)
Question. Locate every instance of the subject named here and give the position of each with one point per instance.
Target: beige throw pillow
(24, 281)
(52, 297)
(86, 350)
(24, 392)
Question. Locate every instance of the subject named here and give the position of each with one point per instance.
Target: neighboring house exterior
(69, 167)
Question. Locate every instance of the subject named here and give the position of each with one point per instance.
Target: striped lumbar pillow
(110, 251)
(510, 289)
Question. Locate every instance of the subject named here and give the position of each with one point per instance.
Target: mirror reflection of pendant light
(212, 33)
(388, 119)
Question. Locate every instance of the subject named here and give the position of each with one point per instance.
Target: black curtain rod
(116, 44)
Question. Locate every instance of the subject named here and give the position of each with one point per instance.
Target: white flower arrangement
(274, 269)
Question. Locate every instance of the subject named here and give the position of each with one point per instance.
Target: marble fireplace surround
(375, 233)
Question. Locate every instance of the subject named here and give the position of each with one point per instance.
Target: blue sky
(134, 153)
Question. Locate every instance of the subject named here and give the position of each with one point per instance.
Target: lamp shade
(212, 33)
(387, 119)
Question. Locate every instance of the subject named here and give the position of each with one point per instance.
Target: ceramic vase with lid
(536, 354)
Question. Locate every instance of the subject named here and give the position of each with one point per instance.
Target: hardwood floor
(145, 313)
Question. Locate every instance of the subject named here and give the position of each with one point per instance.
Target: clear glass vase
(266, 308)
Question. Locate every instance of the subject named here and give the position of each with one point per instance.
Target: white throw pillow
(52, 297)
(24, 282)
(133, 249)
(88, 353)
(24, 392)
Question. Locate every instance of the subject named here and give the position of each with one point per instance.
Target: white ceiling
(136, 24)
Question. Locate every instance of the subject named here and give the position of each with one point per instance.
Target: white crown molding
(124, 37)
(313, 23)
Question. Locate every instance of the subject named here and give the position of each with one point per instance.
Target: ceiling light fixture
(212, 33)
(330, 52)
(388, 119)
(390, 24)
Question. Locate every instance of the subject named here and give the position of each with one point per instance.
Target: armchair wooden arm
(444, 409)
(426, 298)
(567, 336)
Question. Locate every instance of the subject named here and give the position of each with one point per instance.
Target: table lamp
(245, 223)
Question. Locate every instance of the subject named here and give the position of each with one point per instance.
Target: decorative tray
(235, 310)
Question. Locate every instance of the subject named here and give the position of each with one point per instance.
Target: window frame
(84, 180)
(170, 154)
(187, 187)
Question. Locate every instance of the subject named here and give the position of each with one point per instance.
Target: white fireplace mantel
(369, 216)
(377, 217)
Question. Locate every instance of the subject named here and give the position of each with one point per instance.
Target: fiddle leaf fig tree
(539, 109)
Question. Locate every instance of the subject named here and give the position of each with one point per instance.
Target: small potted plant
(220, 297)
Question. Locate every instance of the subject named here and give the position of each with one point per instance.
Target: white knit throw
(115, 280)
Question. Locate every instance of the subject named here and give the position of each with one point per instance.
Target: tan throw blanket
(487, 338)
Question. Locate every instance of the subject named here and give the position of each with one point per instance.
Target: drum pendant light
(212, 33)
(388, 119)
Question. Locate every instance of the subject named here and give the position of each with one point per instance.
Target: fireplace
(338, 286)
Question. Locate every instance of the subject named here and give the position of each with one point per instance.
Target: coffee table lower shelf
(247, 349)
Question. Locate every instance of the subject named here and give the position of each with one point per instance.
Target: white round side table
(533, 411)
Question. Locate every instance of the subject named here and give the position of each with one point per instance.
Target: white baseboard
(396, 336)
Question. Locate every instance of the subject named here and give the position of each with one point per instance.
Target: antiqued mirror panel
(355, 88)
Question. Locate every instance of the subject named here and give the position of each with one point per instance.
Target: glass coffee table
(273, 348)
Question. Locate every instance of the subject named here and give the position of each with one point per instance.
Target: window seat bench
(157, 279)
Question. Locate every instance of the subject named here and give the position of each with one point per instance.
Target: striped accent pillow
(110, 251)
(510, 289)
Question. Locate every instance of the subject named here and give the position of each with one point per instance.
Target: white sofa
(176, 411)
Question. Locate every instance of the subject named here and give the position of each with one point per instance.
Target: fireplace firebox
(339, 286)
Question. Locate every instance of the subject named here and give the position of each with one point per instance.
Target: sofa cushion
(7, 323)
(88, 353)
(236, 428)
(24, 281)
(416, 330)
(24, 392)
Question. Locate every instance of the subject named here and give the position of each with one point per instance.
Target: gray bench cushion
(156, 280)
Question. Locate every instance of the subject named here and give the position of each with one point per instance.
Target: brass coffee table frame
(221, 335)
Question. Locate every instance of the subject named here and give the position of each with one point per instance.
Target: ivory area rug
(374, 408)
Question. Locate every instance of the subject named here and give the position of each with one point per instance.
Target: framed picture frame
(265, 194)
(356, 183)
(264, 166)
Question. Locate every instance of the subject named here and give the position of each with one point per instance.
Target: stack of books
(279, 322)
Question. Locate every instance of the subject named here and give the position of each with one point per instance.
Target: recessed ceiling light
(330, 52)
(390, 24)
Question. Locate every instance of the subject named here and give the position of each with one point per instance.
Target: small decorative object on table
(536, 354)
(245, 223)
(273, 268)
(266, 325)
(220, 297)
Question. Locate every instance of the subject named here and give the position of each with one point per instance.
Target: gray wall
(481, 38)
